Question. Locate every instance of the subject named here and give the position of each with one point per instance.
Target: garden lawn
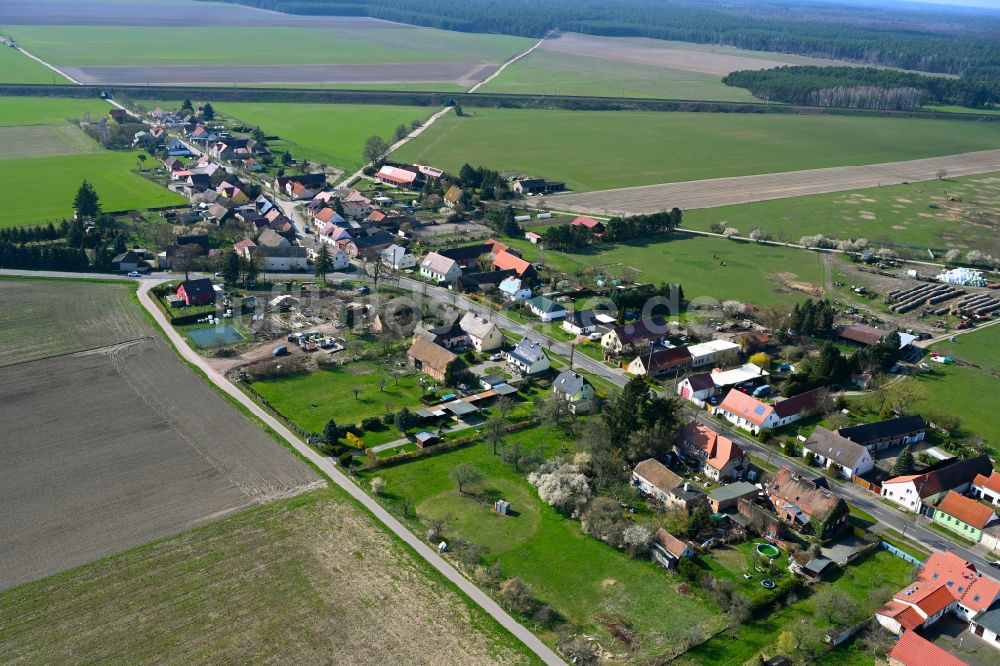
(918, 215)
(48, 110)
(334, 134)
(86, 45)
(15, 67)
(879, 571)
(592, 150)
(580, 577)
(959, 390)
(550, 73)
(41, 189)
(312, 399)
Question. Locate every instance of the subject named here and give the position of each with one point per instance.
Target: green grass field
(593, 150)
(82, 46)
(48, 110)
(313, 399)
(334, 134)
(310, 580)
(549, 73)
(962, 109)
(960, 390)
(757, 274)
(579, 576)
(41, 189)
(20, 141)
(15, 67)
(920, 215)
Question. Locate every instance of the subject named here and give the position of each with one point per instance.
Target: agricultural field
(757, 274)
(869, 583)
(309, 579)
(333, 134)
(90, 315)
(138, 447)
(547, 72)
(594, 150)
(44, 158)
(959, 213)
(312, 399)
(959, 389)
(582, 578)
(16, 67)
(370, 51)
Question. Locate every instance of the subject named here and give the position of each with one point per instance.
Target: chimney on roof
(687, 486)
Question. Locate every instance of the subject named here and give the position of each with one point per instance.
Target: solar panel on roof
(759, 409)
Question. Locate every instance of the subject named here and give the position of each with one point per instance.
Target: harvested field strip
(43, 318)
(296, 580)
(151, 450)
(25, 141)
(746, 189)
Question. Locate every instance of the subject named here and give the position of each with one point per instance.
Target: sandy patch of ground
(790, 281)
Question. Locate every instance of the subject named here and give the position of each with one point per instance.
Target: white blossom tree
(561, 485)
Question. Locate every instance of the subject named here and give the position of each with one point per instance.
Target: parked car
(134, 274)
(594, 337)
(280, 350)
(496, 357)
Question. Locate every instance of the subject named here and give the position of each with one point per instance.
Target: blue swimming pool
(216, 335)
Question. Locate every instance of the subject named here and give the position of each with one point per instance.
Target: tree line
(917, 40)
(865, 87)
(617, 229)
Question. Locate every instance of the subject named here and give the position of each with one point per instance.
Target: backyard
(592, 150)
(582, 578)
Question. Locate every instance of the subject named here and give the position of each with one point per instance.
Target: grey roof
(504, 389)
(701, 382)
(816, 566)
(830, 445)
(527, 351)
(459, 407)
(543, 304)
(990, 619)
(493, 379)
(569, 382)
(733, 491)
(888, 429)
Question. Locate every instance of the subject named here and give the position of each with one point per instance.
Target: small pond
(216, 335)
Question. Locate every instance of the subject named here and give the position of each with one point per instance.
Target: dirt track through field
(461, 73)
(716, 192)
(700, 61)
(111, 448)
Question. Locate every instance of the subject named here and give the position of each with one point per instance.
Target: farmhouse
(720, 458)
(449, 336)
(655, 480)
(753, 415)
(911, 491)
(657, 362)
(483, 334)
(704, 386)
(467, 255)
(914, 650)
(580, 322)
(362, 245)
(480, 282)
(729, 496)
(398, 258)
(429, 358)
(696, 387)
(864, 335)
(962, 515)
(668, 550)
(945, 583)
(531, 186)
(453, 196)
(127, 261)
(833, 451)
(714, 352)
(527, 357)
(396, 176)
(575, 390)
(545, 309)
(338, 258)
(987, 488)
(196, 292)
(439, 268)
(628, 337)
(513, 289)
(595, 227)
(505, 260)
(886, 434)
(806, 504)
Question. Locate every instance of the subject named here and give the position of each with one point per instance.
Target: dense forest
(953, 43)
(864, 88)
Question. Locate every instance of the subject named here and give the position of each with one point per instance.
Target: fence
(899, 552)
(871, 487)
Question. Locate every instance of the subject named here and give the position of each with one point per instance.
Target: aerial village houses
(714, 352)
(831, 450)
(964, 516)
(506, 260)
(720, 458)
(595, 227)
(754, 415)
(483, 334)
(197, 292)
(631, 337)
(654, 363)
(946, 583)
(398, 258)
(396, 176)
(911, 491)
(806, 504)
(667, 550)
(728, 496)
(912, 649)
(580, 322)
(512, 288)
(867, 336)
(545, 309)
(987, 488)
(527, 357)
(702, 387)
(429, 358)
(656, 481)
(886, 434)
(573, 388)
(439, 268)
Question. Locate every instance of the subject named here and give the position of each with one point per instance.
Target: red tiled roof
(914, 650)
(991, 482)
(706, 443)
(658, 475)
(936, 600)
(910, 618)
(746, 406)
(969, 511)
(981, 594)
(506, 261)
(396, 175)
(670, 543)
(803, 402)
(584, 221)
